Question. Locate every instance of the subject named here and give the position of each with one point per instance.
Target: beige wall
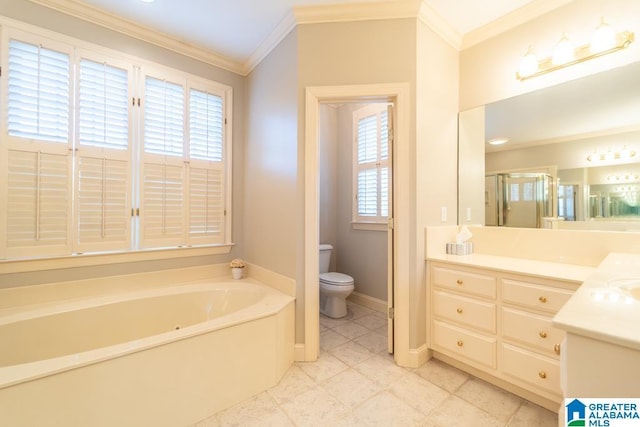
(30, 13)
(487, 70)
(328, 179)
(436, 153)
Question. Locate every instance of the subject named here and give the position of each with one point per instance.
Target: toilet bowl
(334, 287)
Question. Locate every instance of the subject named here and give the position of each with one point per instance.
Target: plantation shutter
(371, 164)
(103, 169)
(36, 149)
(162, 204)
(206, 168)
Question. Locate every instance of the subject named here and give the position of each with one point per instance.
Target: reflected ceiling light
(498, 141)
(603, 41)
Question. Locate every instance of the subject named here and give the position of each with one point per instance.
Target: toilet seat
(336, 279)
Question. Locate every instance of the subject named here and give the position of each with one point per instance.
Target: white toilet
(334, 287)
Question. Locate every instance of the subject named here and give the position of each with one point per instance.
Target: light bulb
(603, 38)
(529, 64)
(563, 52)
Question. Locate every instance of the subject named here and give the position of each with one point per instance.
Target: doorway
(397, 94)
(355, 198)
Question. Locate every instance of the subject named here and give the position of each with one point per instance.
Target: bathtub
(165, 357)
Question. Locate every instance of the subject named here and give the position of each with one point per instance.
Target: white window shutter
(371, 164)
(36, 148)
(103, 166)
(206, 206)
(162, 209)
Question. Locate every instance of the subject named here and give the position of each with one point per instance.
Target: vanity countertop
(601, 310)
(545, 269)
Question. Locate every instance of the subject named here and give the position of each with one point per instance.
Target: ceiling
(235, 30)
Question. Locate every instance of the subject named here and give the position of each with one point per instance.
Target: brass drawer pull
(459, 281)
(459, 310)
(460, 343)
(542, 374)
(543, 334)
(556, 348)
(542, 299)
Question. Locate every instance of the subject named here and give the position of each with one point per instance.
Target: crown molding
(133, 29)
(362, 11)
(283, 28)
(511, 20)
(439, 25)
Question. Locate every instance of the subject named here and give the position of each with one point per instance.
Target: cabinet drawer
(534, 296)
(531, 368)
(474, 313)
(464, 343)
(474, 284)
(532, 330)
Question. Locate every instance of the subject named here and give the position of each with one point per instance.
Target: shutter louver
(163, 117)
(38, 201)
(206, 206)
(163, 209)
(103, 217)
(38, 93)
(368, 192)
(206, 124)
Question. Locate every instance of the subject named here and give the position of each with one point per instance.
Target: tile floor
(356, 383)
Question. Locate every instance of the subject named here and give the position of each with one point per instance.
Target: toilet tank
(325, 258)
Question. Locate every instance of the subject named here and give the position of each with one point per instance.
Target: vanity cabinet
(499, 323)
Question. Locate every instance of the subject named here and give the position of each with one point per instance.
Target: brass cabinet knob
(542, 334)
(556, 348)
(459, 310)
(542, 299)
(542, 374)
(460, 343)
(459, 281)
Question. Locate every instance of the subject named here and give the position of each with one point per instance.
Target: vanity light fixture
(609, 155)
(498, 141)
(603, 41)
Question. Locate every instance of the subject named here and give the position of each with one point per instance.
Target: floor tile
(293, 383)
(351, 387)
(325, 367)
(330, 339)
(455, 412)
(315, 407)
(418, 393)
(531, 415)
(373, 342)
(258, 411)
(329, 322)
(351, 330)
(497, 402)
(381, 371)
(385, 410)
(442, 375)
(352, 353)
(355, 311)
(371, 321)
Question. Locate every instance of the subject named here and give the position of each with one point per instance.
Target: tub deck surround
(601, 311)
(166, 355)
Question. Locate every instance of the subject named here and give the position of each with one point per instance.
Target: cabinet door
(534, 369)
(532, 330)
(463, 281)
(461, 342)
(534, 296)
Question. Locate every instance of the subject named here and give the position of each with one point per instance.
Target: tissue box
(465, 248)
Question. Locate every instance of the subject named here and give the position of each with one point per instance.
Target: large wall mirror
(571, 160)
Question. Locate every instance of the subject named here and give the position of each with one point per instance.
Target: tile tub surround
(356, 383)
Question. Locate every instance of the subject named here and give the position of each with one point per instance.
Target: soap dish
(465, 248)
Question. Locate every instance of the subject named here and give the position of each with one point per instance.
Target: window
(371, 164)
(566, 201)
(101, 154)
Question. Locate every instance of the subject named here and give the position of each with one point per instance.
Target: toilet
(334, 287)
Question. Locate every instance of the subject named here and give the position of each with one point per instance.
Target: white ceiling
(236, 29)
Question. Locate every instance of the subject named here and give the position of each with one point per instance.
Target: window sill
(370, 226)
(87, 260)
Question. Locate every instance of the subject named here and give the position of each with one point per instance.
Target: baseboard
(369, 302)
(298, 353)
(418, 356)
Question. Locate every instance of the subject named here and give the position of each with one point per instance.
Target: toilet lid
(337, 279)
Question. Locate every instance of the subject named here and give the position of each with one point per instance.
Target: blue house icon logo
(576, 413)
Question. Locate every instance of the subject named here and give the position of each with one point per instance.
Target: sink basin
(630, 286)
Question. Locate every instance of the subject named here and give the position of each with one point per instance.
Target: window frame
(377, 222)
(80, 49)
